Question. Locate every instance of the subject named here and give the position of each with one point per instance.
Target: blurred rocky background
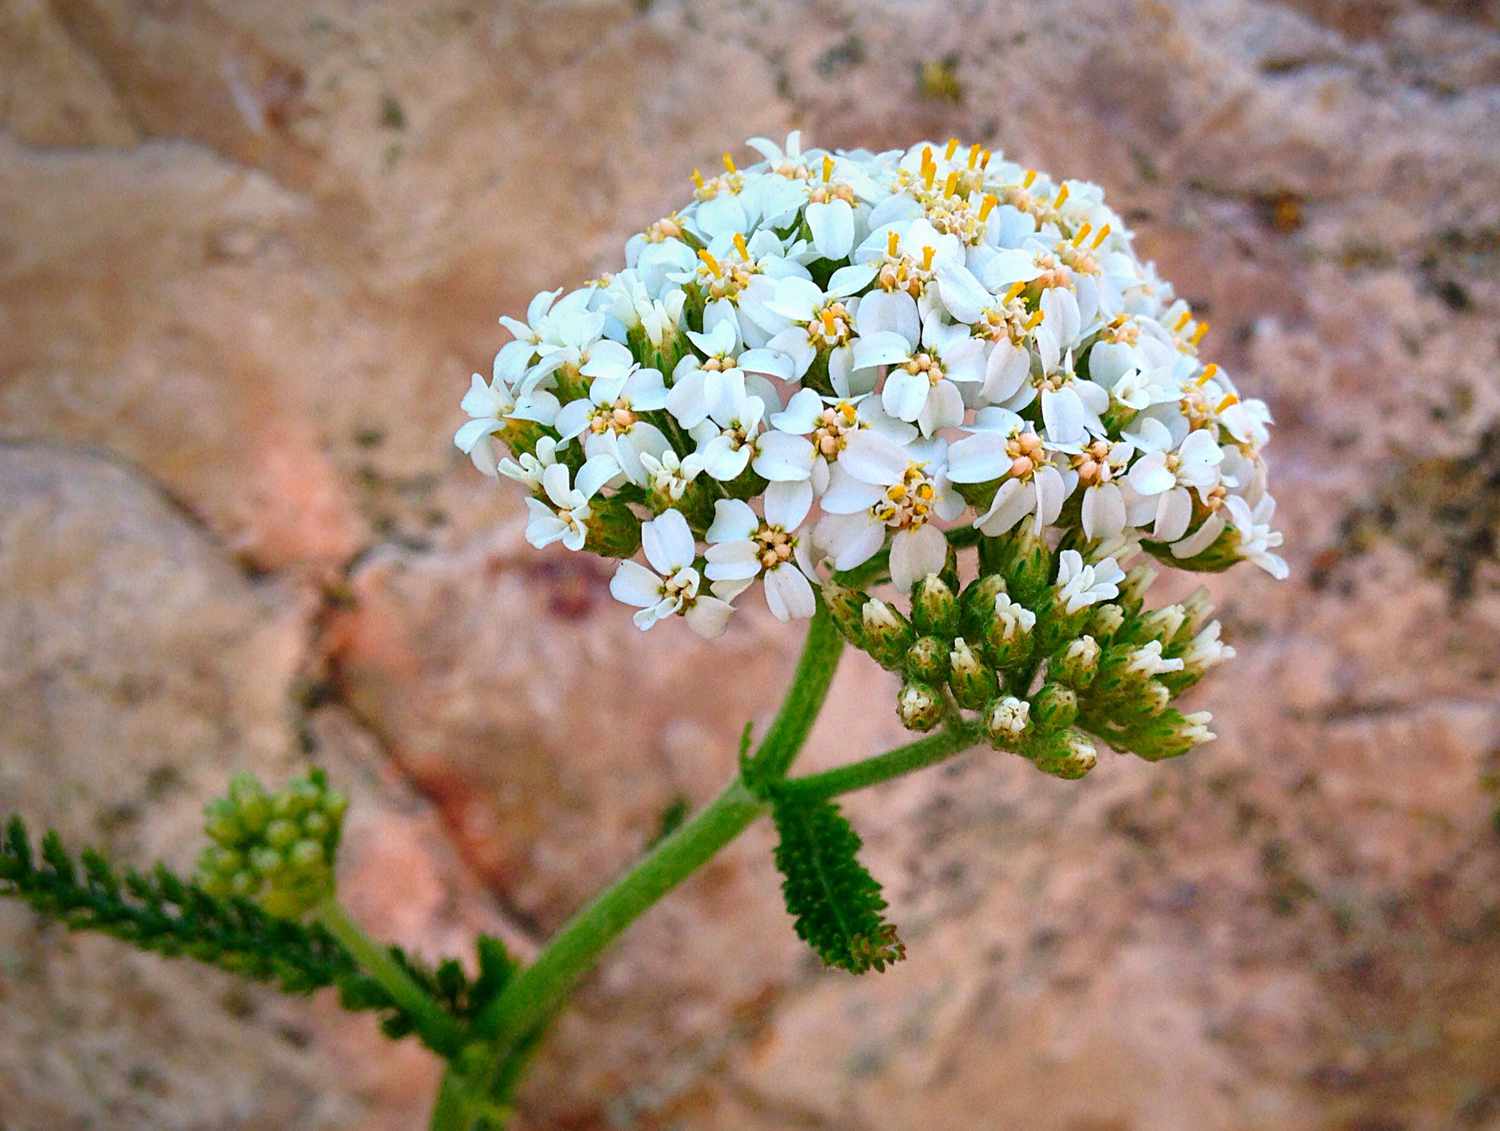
(249, 254)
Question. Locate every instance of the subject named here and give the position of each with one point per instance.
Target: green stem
(540, 989)
(895, 763)
(804, 699)
(435, 1024)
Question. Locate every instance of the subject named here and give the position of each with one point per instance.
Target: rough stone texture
(249, 253)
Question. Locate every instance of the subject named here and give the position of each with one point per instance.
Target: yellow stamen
(710, 262)
(697, 178)
(891, 243)
(896, 492)
(951, 150)
(1028, 179)
(926, 156)
(1034, 321)
(739, 246)
(928, 172)
(974, 152)
(1100, 236)
(827, 168)
(950, 186)
(987, 206)
(828, 323)
(1229, 399)
(1198, 333)
(984, 162)
(1182, 320)
(1015, 289)
(1062, 196)
(927, 254)
(729, 163)
(1083, 234)
(1207, 375)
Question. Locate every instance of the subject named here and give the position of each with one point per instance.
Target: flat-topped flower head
(825, 365)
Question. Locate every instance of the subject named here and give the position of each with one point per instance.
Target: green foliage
(165, 914)
(834, 901)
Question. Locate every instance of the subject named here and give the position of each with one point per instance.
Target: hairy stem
(436, 1025)
(804, 699)
(532, 997)
(895, 763)
(539, 990)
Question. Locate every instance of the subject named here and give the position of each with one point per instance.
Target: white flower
(666, 476)
(1097, 465)
(878, 486)
(566, 519)
(1070, 405)
(1257, 539)
(819, 322)
(828, 422)
(1033, 484)
(733, 438)
(919, 386)
(699, 384)
(1161, 478)
(528, 468)
(743, 547)
(492, 405)
(610, 419)
(1080, 585)
(672, 590)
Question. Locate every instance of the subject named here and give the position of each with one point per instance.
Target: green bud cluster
(278, 848)
(1044, 674)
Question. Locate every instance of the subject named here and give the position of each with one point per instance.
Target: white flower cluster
(827, 354)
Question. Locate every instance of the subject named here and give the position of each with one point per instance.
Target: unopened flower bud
(276, 848)
(266, 861)
(973, 682)
(1171, 735)
(222, 823)
(1007, 637)
(1077, 663)
(1105, 621)
(1068, 754)
(927, 660)
(1054, 707)
(1203, 652)
(1147, 660)
(977, 605)
(845, 605)
(1023, 558)
(251, 803)
(1006, 722)
(887, 634)
(1198, 607)
(1138, 579)
(919, 706)
(934, 607)
(1155, 697)
(1159, 624)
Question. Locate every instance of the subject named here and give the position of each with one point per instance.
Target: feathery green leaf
(835, 902)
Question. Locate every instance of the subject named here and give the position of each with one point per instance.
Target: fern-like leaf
(162, 913)
(834, 902)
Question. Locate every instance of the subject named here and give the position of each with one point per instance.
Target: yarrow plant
(929, 401)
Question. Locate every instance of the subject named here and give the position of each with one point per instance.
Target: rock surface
(251, 252)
